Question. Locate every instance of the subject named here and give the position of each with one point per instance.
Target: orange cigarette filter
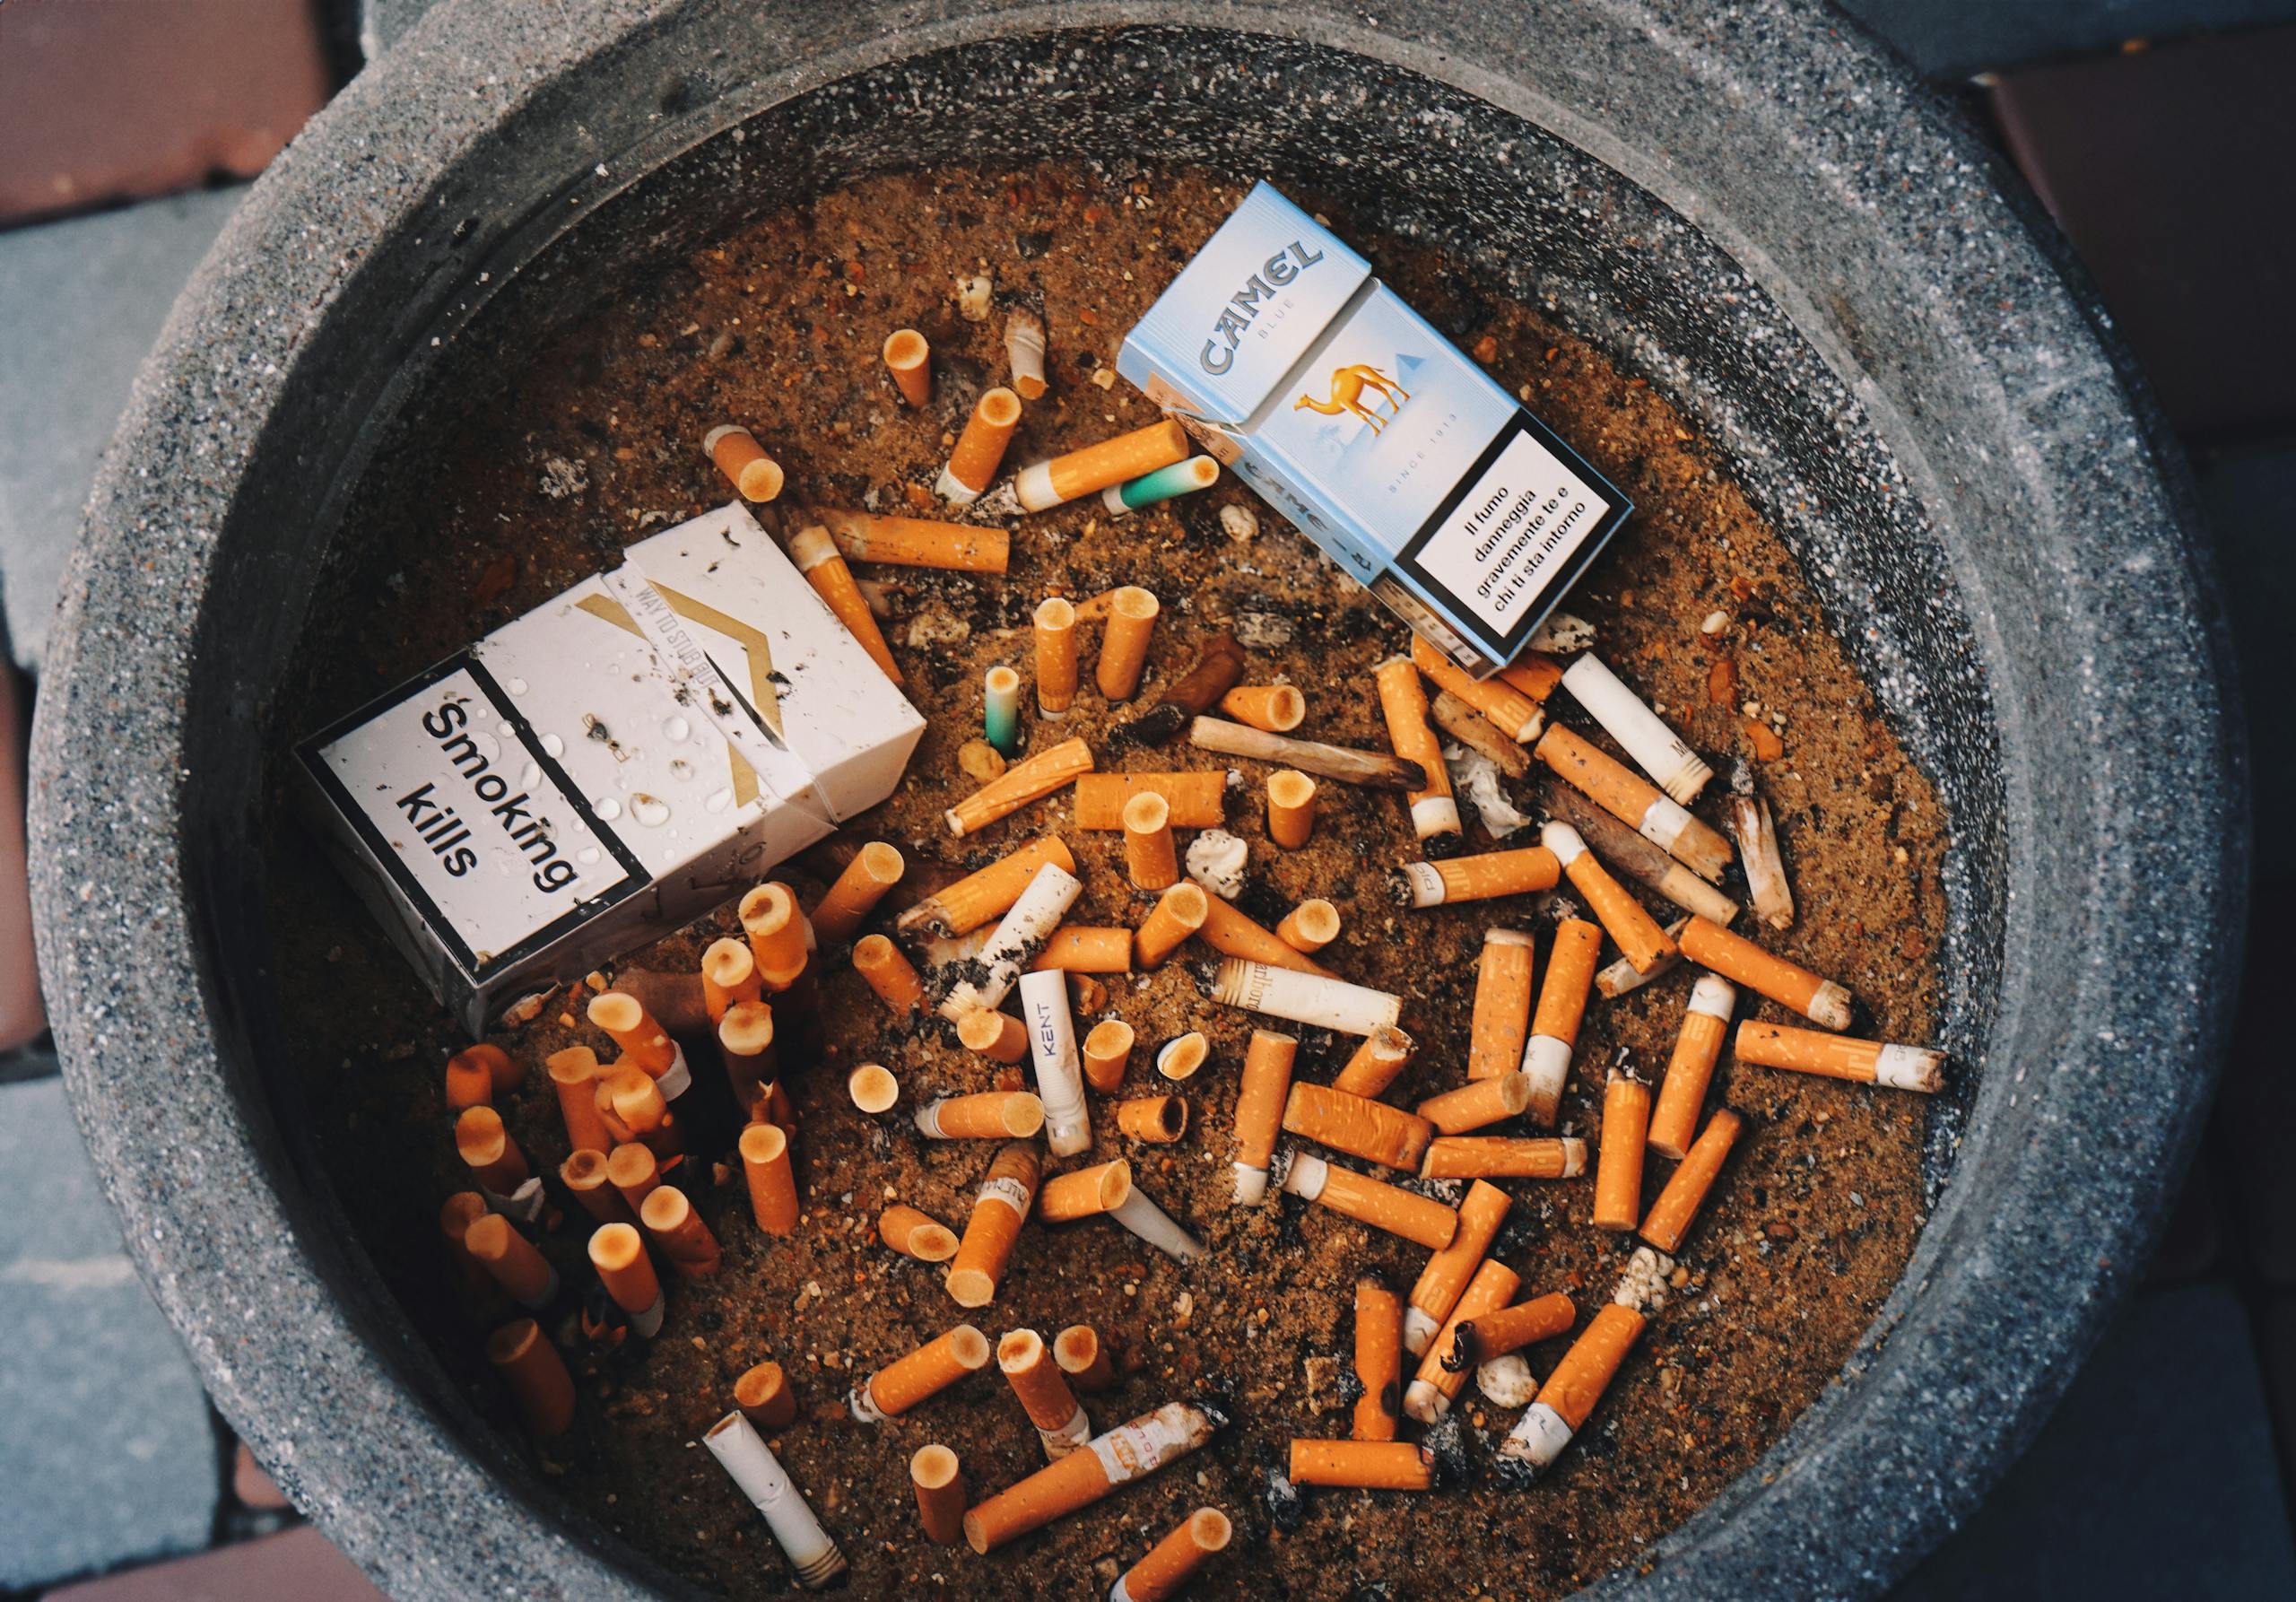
(1232, 935)
(1403, 700)
(1261, 1096)
(1055, 644)
(984, 1115)
(477, 1073)
(1630, 798)
(756, 475)
(940, 1494)
(1503, 1157)
(536, 1375)
(776, 931)
(1672, 1214)
(573, 1075)
(1173, 1561)
(1083, 1358)
(1279, 709)
(1480, 1212)
(772, 1181)
(1124, 642)
(1738, 958)
(931, 1369)
(495, 1161)
(1029, 780)
(1290, 808)
(629, 1097)
(1379, 1359)
(1437, 1385)
(1639, 938)
(1130, 1451)
(817, 557)
(1502, 1004)
(584, 1173)
(1005, 1196)
(1180, 1057)
(1365, 1465)
(1505, 1329)
(644, 1042)
(910, 359)
(1179, 913)
(1477, 1103)
(1073, 949)
(1534, 673)
(889, 973)
(1107, 1050)
(1149, 859)
(1084, 1192)
(634, 1172)
(1309, 926)
(619, 1255)
(1095, 467)
(1518, 716)
(674, 1227)
(1413, 1217)
(1376, 1062)
(728, 976)
(1197, 797)
(1868, 1062)
(1570, 976)
(1681, 1094)
(875, 868)
(1483, 877)
(1158, 1121)
(980, 449)
(999, 1037)
(511, 1260)
(746, 1045)
(914, 1235)
(1618, 1167)
(1586, 1371)
(1358, 1126)
(1036, 1378)
(763, 1395)
(979, 898)
(915, 542)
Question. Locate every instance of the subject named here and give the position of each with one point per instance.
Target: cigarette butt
(875, 868)
(474, 1075)
(1083, 1358)
(1182, 1056)
(1638, 936)
(1108, 1050)
(1571, 1393)
(746, 1046)
(1309, 926)
(985, 1115)
(909, 360)
(772, 1182)
(618, 1253)
(677, 1231)
(980, 449)
(1563, 1003)
(754, 476)
(1480, 878)
(751, 1465)
(981, 898)
(1024, 347)
(1477, 1103)
(1233, 935)
(1365, 1465)
(1358, 1126)
(1074, 949)
(1672, 1214)
(1179, 913)
(573, 1075)
(1502, 1004)
(1005, 1196)
(1149, 1222)
(536, 1375)
(633, 1172)
(1084, 1192)
(625, 1095)
(1261, 1097)
(927, 1371)
(1379, 1359)
(1618, 978)
(1628, 719)
(1279, 709)
(728, 976)
(1417, 1218)
(778, 932)
(1493, 1335)
(511, 1260)
(873, 1087)
(1290, 808)
(1198, 797)
(1149, 859)
(1480, 1212)
(1056, 647)
(1626, 851)
(1868, 1062)
(1377, 1063)
(1000, 711)
(1438, 1384)
(1504, 1157)
(1403, 700)
(584, 1173)
(1045, 1397)
(1635, 802)
(1516, 715)
(999, 1037)
(915, 542)
(1130, 1451)
(1316, 999)
(1478, 732)
(1373, 770)
(644, 1042)
(940, 1494)
(1158, 1121)
(1681, 1094)
(1617, 1165)
(1534, 673)
(1124, 643)
(1173, 1561)
(1017, 937)
(889, 973)
(1165, 483)
(1030, 779)
(495, 1161)
(914, 1235)
(816, 556)
(764, 1397)
(1751, 825)
(1738, 958)
(1079, 472)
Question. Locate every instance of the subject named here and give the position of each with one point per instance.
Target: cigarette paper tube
(1571, 1391)
(644, 1042)
(1868, 1062)
(1628, 719)
(1494, 1334)
(1403, 700)
(1076, 950)
(1084, 1192)
(980, 449)
(1029, 780)
(1366, 1465)
(1627, 796)
(1106, 1051)
(469, 1084)
(1358, 1126)
(1196, 797)
(1278, 709)
(571, 1075)
(1157, 1227)
(1756, 832)
(677, 1230)
(1165, 483)
(728, 977)
(1477, 1102)
(1149, 860)
(1671, 1215)
(1311, 998)
(536, 1375)
(910, 361)
(1502, 1004)
(1309, 926)
(999, 1037)
(1180, 1057)
(1015, 941)
(1482, 878)
(1051, 1031)
(1683, 1093)
(1024, 352)
(1373, 770)
(1260, 1099)
(889, 973)
(777, 930)
(940, 1494)
(1739, 959)
(1480, 1212)
(512, 1260)
(1158, 1121)
(495, 1161)
(619, 1255)
(1044, 1393)
(1078, 1350)
(764, 1397)
(1478, 732)
(1130, 1451)
(1379, 1359)
(1626, 851)
(1173, 1561)
(1290, 808)
(927, 1371)
(1065, 478)
(813, 1556)
(633, 1172)
(873, 1088)
(985, 1115)
(1055, 635)
(1005, 1196)
(816, 556)
(875, 868)
(1503, 1157)
(584, 1174)
(772, 1182)
(1563, 1003)
(1413, 1217)
(1232, 935)
(915, 542)
(978, 898)
(1377, 1063)
(754, 474)
(1437, 1385)
(1534, 673)
(1515, 714)
(1617, 1165)
(914, 1235)
(1638, 936)
(1179, 913)
(1615, 979)
(1124, 643)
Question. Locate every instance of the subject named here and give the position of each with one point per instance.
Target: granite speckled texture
(1745, 204)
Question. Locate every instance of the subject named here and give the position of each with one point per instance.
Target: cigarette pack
(610, 765)
(1424, 480)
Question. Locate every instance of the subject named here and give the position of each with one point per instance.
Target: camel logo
(1348, 383)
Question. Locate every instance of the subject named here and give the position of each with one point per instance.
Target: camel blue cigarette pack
(1279, 351)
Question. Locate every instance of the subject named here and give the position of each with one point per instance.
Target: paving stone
(295, 1566)
(108, 1455)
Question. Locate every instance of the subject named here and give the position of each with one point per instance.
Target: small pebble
(1239, 522)
(1716, 622)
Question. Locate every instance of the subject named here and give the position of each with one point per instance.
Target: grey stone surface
(1782, 231)
(382, 21)
(110, 1455)
(80, 304)
(1955, 38)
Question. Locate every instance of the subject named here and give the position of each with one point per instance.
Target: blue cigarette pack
(1278, 350)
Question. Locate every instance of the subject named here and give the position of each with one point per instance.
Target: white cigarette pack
(614, 763)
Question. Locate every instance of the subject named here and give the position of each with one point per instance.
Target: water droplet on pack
(676, 729)
(649, 810)
(507, 729)
(516, 686)
(587, 855)
(719, 800)
(607, 806)
(553, 745)
(530, 776)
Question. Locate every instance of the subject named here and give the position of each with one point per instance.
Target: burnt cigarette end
(1440, 845)
(1286, 1509)
(1397, 884)
(1462, 1356)
(1454, 1463)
